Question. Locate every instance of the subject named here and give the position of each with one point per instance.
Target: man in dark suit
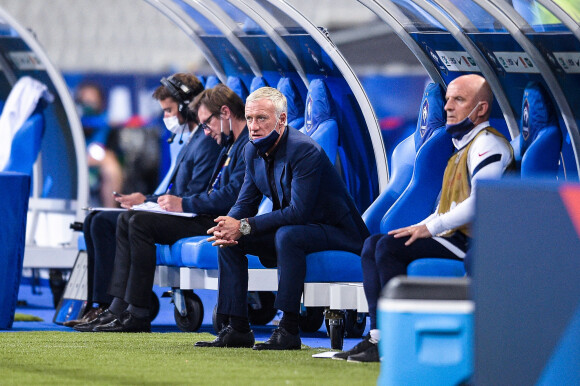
(221, 112)
(191, 174)
(312, 211)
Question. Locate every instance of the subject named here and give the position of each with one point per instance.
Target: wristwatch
(245, 227)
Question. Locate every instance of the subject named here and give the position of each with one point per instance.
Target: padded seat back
(320, 119)
(174, 149)
(418, 200)
(258, 82)
(417, 165)
(26, 143)
(540, 141)
(212, 81)
(238, 87)
(295, 103)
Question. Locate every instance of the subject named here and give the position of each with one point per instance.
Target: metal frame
(517, 26)
(393, 17)
(450, 22)
(351, 79)
(566, 19)
(270, 25)
(228, 27)
(71, 114)
(168, 8)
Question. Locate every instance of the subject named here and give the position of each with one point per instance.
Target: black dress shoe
(281, 340)
(126, 322)
(362, 346)
(371, 354)
(103, 318)
(228, 337)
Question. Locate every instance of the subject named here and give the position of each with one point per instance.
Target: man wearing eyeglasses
(221, 113)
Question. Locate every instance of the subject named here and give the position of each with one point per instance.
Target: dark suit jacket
(220, 201)
(309, 188)
(192, 173)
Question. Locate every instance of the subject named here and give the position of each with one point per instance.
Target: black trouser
(99, 229)
(285, 248)
(384, 257)
(135, 261)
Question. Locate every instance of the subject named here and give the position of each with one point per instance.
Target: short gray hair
(276, 97)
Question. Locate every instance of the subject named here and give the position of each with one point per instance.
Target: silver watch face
(245, 227)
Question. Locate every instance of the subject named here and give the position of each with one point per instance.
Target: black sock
(290, 322)
(139, 312)
(117, 306)
(240, 324)
(222, 321)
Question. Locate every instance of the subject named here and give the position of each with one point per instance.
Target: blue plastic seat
(237, 86)
(212, 81)
(320, 119)
(258, 82)
(26, 143)
(418, 163)
(537, 148)
(295, 103)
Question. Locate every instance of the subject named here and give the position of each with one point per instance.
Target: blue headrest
(258, 82)
(202, 79)
(537, 114)
(318, 106)
(238, 87)
(295, 104)
(432, 114)
(212, 81)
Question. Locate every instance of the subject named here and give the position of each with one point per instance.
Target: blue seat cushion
(333, 266)
(436, 267)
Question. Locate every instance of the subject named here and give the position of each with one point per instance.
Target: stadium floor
(40, 305)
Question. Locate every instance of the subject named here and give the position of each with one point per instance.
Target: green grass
(32, 358)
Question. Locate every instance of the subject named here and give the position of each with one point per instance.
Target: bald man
(482, 153)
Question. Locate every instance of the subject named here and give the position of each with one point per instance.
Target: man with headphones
(191, 174)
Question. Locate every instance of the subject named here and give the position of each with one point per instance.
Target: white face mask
(172, 124)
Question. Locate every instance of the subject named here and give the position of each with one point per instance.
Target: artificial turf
(46, 357)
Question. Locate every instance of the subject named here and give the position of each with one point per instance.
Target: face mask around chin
(172, 124)
(459, 129)
(264, 144)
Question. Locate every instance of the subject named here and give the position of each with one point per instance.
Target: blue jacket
(221, 199)
(309, 188)
(195, 163)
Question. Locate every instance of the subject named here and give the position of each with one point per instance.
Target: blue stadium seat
(258, 82)
(320, 119)
(295, 103)
(212, 81)
(418, 163)
(537, 148)
(237, 86)
(26, 143)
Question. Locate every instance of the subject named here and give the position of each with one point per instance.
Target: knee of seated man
(289, 235)
(387, 245)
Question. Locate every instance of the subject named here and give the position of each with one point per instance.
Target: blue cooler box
(426, 327)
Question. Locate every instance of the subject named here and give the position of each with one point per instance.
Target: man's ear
(283, 117)
(225, 112)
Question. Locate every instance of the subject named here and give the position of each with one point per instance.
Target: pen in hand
(169, 188)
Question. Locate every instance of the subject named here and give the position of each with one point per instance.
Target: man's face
(210, 123)
(460, 101)
(170, 109)
(261, 118)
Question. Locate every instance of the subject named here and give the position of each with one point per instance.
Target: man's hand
(128, 200)
(414, 232)
(226, 232)
(170, 203)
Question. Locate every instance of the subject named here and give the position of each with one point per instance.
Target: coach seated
(221, 113)
(482, 153)
(312, 211)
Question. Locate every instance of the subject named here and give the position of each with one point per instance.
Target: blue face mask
(265, 143)
(459, 129)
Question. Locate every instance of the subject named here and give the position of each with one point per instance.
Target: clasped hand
(225, 233)
(414, 232)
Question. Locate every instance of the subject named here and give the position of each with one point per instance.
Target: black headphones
(183, 95)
